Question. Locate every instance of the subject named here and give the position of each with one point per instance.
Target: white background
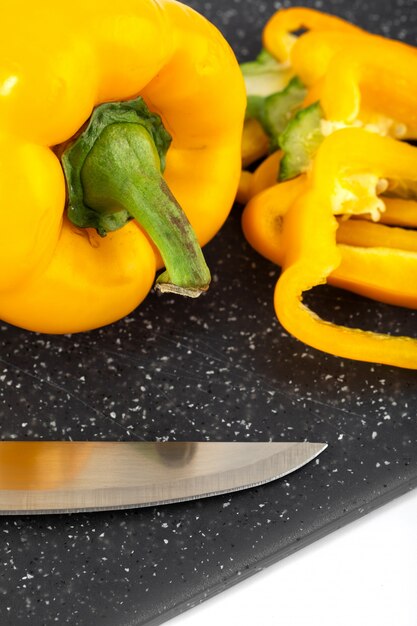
(364, 574)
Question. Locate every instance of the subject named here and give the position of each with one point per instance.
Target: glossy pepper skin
(359, 79)
(355, 75)
(311, 252)
(60, 61)
(375, 261)
(291, 60)
(278, 36)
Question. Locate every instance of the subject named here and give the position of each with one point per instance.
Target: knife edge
(274, 461)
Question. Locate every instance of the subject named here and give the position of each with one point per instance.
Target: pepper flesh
(383, 273)
(357, 76)
(255, 142)
(399, 212)
(370, 235)
(77, 56)
(311, 252)
(396, 211)
(376, 74)
(359, 80)
(277, 34)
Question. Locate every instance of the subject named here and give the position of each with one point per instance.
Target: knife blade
(65, 476)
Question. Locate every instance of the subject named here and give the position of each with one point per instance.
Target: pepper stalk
(114, 172)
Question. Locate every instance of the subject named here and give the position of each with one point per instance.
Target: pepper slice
(311, 252)
(376, 74)
(277, 35)
(359, 78)
(255, 143)
(366, 234)
(399, 212)
(382, 273)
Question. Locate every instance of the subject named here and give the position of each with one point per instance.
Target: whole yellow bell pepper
(167, 74)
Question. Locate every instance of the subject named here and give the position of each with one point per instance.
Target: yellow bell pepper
(274, 68)
(396, 211)
(59, 63)
(266, 174)
(275, 81)
(318, 225)
(359, 79)
(385, 272)
(355, 75)
(278, 37)
(399, 212)
(378, 75)
(243, 192)
(255, 142)
(311, 252)
(366, 234)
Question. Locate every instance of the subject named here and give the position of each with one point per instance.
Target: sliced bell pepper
(311, 252)
(274, 111)
(265, 75)
(274, 90)
(402, 189)
(266, 174)
(313, 51)
(243, 191)
(376, 74)
(366, 234)
(59, 63)
(255, 142)
(334, 50)
(399, 212)
(263, 217)
(381, 273)
(278, 37)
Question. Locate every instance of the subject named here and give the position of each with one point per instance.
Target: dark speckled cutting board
(217, 368)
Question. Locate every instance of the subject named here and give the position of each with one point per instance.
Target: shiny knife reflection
(55, 477)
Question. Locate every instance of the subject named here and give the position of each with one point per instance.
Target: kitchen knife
(63, 477)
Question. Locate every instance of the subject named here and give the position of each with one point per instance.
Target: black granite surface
(220, 368)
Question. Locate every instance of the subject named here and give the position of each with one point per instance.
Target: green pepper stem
(120, 178)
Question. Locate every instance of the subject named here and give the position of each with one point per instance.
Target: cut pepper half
(311, 252)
